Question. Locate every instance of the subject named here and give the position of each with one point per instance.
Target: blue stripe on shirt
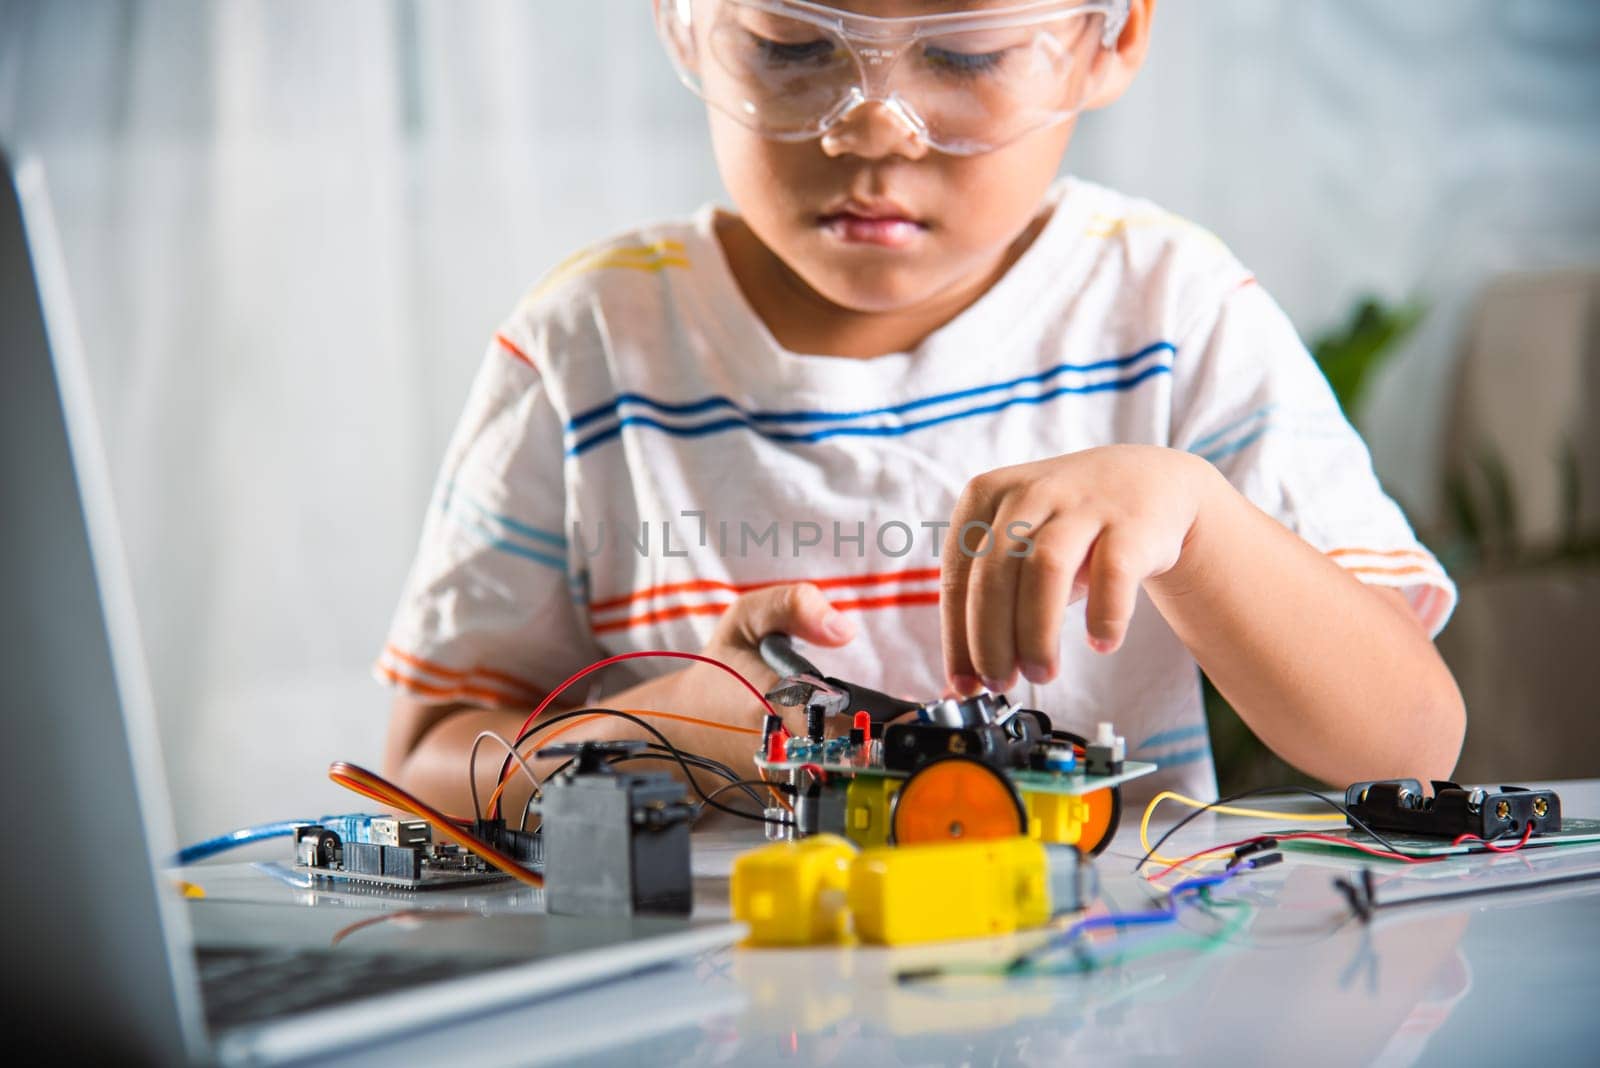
(1177, 734)
(556, 541)
(705, 404)
(744, 422)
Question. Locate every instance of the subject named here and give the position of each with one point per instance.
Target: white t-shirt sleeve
(491, 613)
(1249, 398)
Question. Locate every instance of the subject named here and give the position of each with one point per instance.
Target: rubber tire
(927, 769)
(1111, 823)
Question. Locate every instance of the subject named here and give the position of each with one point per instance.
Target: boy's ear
(1118, 66)
(674, 23)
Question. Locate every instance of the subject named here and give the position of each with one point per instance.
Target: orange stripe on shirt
(434, 668)
(718, 608)
(512, 349)
(1412, 569)
(1415, 554)
(447, 693)
(834, 582)
(889, 602)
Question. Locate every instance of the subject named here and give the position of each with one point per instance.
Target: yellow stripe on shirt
(654, 257)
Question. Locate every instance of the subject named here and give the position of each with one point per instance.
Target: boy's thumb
(800, 611)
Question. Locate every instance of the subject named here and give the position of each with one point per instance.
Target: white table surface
(1505, 980)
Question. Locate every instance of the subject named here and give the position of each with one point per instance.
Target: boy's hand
(1101, 522)
(800, 611)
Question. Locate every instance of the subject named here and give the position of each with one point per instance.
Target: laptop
(103, 958)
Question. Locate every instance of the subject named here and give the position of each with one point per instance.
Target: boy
(923, 405)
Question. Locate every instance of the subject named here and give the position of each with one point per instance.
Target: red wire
(1491, 847)
(817, 770)
(1331, 839)
(1335, 840)
(617, 659)
(505, 769)
(1348, 844)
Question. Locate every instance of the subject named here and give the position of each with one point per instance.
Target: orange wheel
(1105, 812)
(956, 799)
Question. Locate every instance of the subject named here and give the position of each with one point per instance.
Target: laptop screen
(86, 931)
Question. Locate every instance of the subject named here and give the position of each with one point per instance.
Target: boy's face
(873, 219)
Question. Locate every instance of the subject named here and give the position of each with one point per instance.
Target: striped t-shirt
(637, 450)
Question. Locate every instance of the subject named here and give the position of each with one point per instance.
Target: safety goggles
(964, 82)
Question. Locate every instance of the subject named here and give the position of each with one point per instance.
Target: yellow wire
(1226, 810)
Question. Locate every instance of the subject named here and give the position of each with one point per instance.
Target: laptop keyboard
(243, 986)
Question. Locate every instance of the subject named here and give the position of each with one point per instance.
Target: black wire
(747, 784)
(676, 753)
(1059, 735)
(716, 767)
(1265, 791)
(722, 771)
(699, 760)
(704, 763)
(1364, 902)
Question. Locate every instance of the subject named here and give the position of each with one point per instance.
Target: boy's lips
(882, 223)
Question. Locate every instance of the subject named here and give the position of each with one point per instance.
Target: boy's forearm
(1335, 676)
(429, 747)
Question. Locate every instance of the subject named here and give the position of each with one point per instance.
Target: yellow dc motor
(793, 893)
(811, 892)
(930, 893)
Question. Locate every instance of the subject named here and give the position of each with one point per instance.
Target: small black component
(1098, 760)
(402, 862)
(526, 847)
(1257, 846)
(316, 847)
(370, 858)
(770, 725)
(820, 807)
(1399, 805)
(1005, 745)
(593, 758)
(908, 746)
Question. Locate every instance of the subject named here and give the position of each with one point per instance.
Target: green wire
(1182, 940)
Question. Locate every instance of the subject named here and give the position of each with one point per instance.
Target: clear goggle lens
(967, 83)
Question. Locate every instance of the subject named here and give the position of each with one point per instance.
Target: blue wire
(1169, 914)
(245, 835)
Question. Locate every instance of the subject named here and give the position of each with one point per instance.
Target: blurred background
(291, 227)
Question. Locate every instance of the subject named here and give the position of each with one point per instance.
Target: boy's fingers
(992, 591)
(800, 610)
(1115, 572)
(1049, 577)
(955, 569)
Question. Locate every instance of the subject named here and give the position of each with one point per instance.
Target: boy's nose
(874, 129)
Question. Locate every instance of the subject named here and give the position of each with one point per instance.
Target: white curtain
(291, 227)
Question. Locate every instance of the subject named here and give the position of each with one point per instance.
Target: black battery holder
(1488, 813)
